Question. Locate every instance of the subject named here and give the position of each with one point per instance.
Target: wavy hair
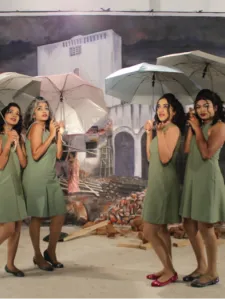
(179, 117)
(206, 95)
(29, 114)
(19, 126)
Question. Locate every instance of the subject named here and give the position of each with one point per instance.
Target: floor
(96, 268)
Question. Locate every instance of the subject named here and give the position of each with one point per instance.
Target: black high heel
(48, 258)
(44, 268)
(15, 273)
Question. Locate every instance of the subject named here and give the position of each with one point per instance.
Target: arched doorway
(144, 160)
(124, 154)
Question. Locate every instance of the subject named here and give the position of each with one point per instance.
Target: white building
(93, 57)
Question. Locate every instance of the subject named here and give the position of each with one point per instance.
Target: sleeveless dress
(162, 199)
(203, 197)
(43, 193)
(12, 203)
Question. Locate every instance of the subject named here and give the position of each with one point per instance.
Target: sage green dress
(203, 197)
(162, 199)
(12, 203)
(43, 194)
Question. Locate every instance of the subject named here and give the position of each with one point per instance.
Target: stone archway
(124, 154)
(144, 160)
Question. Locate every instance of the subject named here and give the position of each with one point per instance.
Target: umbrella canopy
(206, 70)
(19, 88)
(73, 100)
(145, 84)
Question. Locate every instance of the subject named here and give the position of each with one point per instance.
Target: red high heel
(172, 279)
(152, 277)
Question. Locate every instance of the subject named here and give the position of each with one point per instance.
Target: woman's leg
(166, 239)
(35, 226)
(191, 228)
(6, 230)
(209, 236)
(55, 230)
(13, 242)
(151, 233)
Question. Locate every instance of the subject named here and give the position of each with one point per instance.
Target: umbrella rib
(57, 89)
(218, 71)
(210, 74)
(64, 82)
(161, 86)
(128, 75)
(138, 87)
(183, 87)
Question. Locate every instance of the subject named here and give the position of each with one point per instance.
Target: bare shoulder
(36, 130)
(219, 126)
(173, 129)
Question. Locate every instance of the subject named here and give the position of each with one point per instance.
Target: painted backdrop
(111, 167)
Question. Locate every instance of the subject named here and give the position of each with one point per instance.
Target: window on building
(105, 35)
(75, 50)
(91, 148)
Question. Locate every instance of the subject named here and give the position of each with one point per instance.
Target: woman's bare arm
(214, 143)
(4, 153)
(59, 146)
(167, 142)
(38, 148)
(21, 152)
(148, 143)
(188, 141)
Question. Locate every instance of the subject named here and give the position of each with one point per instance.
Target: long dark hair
(28, 116)
(207, 94)
(19, 126)
(179, 117)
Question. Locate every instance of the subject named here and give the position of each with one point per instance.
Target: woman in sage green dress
(43, 194)
(203, 199)
(162, 200)
(12, 203)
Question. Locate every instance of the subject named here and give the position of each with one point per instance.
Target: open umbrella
(73, 100)
(145, 84)
(206, 70)
(19, 88)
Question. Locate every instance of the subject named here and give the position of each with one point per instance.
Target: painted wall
(78, 5)
(93, 57)
(143, 39)
(116, 5)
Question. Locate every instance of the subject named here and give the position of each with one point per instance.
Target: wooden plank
(85, 231)
(182, 243)
(134, 246)
(146, 246)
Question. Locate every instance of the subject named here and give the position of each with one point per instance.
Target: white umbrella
(206, 70)
(19, 88)
(73, 100)
(145, 84)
